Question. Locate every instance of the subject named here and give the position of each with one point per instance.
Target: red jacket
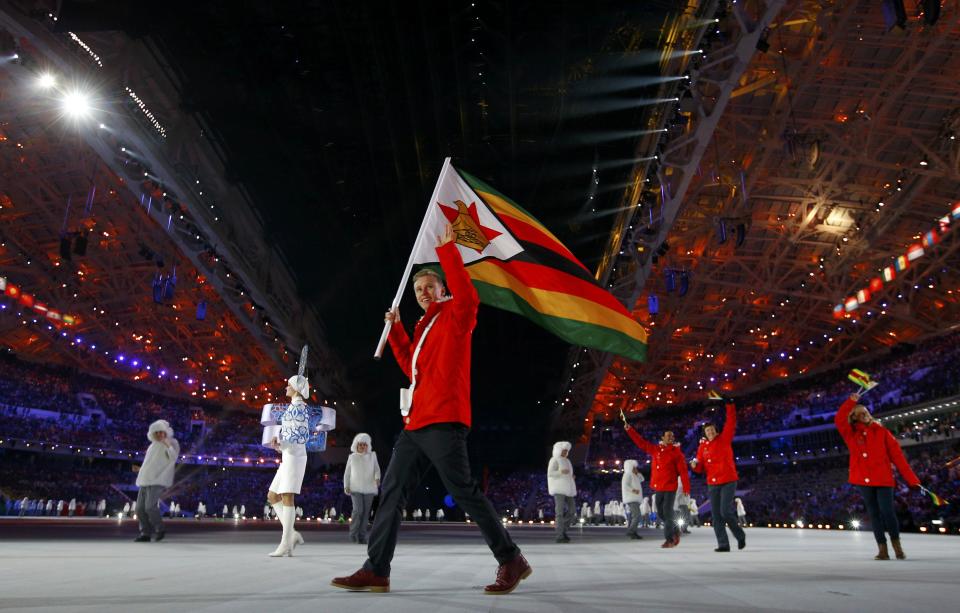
(667, 464)
(442, 393)
(716, 456)
(872, 450)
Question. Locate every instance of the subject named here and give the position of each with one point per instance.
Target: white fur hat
(363, 437)
(560, 446)
(161, 425)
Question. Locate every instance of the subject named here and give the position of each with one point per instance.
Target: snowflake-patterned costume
(294, 432)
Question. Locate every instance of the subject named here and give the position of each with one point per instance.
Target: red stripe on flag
(551, 279)
(531, 234)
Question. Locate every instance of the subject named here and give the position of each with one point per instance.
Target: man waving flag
(518, 265)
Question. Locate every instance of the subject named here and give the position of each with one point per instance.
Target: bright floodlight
(76, 104)
(855, 523)
(47, 80)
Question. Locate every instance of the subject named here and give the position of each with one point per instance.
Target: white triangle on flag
(473, 240)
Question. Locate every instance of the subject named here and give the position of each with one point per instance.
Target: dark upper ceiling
(336, 116)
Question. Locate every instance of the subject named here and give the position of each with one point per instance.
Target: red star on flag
(466, 223)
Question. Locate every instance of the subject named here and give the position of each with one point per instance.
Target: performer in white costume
(563, 488)
(361, 481)
(292, 445)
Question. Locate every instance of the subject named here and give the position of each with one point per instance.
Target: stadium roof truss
(798, 145)
(148, 191)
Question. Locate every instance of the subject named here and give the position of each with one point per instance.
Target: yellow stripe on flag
(501, 206)
(558, 304)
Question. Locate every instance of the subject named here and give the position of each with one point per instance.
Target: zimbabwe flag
(518, 265)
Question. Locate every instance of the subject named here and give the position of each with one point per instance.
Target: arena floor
(92, 565)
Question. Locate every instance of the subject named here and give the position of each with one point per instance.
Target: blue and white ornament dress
(294, 432)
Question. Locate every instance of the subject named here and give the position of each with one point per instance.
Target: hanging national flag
(889, 274)
(900, 264)
(915, 252)
(851, 304)
(930, 239)
(863, 296)
(956, 210)
(518, 265)
(876, 284)
(838, 312)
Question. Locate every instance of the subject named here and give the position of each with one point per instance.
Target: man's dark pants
(444, 446)
(724, 512)
(665, 502)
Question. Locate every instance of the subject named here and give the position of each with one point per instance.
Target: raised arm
(648, 447)
(841, 418)
(730, 424)
(465, 298)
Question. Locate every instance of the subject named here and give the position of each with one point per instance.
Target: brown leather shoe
(668, 544)
(882, 554)
(362, 581)
(898, 549)
(676, 539)
(509, 575)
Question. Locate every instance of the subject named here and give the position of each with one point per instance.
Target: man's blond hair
(427, 272)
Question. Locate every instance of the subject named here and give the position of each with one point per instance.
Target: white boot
(291, 537)
(283, 549)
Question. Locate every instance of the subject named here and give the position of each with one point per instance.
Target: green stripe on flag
(479, 185)
(576, 332)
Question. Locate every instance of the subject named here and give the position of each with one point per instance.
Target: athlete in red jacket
(872, 451)
(715, 458)
(436, 425)
(667, 465)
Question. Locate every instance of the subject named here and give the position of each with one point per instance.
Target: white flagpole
(406, 271)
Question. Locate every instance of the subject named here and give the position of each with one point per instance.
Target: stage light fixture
(76, 105)
(741, 234)
(670, 280)
(46, 80)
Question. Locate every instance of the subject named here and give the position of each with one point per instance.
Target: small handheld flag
(862, 379)
(937, 500)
